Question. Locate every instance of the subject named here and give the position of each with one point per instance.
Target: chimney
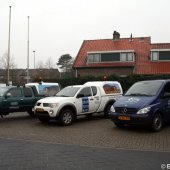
(116, 36)
(131, 37)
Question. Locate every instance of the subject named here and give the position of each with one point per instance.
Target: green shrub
(126, 82)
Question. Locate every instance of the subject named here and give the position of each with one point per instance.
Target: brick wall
(104, 71)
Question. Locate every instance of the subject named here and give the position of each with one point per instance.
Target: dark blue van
(146, 103)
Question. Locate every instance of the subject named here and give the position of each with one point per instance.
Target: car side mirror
(8, 95)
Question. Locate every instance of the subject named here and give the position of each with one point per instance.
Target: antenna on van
(40, 80)
(105, 78)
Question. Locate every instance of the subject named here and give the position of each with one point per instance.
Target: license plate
(39, 110)
(124, 118)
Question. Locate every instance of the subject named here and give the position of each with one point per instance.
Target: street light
(34, 58)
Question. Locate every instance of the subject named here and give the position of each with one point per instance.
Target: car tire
(66, 117)
(118, 125)
(31, 113)
(157, 122)
(106, 110)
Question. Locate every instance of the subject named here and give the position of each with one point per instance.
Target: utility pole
(28, 54)
(9, 38)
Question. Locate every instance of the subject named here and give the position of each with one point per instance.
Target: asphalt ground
(90, 143)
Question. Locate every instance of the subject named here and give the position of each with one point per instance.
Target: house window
(110, 57)
(123, 56)
(155, 55)
(96, 58)
(93, 58)
(129, 56)
(107, 57)
(126, 56)
(164, 55)
(160, 55)
(90, 58)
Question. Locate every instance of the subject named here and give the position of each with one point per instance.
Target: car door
(96, 98)
(12, 100)
(29, 99)
(85, 101)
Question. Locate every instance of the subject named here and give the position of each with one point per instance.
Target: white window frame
(92, 58)
(155, 58)
(127, 57)
(121, 52)
(158, 50)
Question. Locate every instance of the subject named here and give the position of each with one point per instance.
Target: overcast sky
(59, 27)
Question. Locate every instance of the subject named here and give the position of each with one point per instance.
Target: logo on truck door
(85, 104)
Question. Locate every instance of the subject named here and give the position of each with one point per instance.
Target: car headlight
(112, 109)
(53, 105)
(144, 110)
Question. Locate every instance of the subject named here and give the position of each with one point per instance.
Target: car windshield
(69, 91)
(3, 90)
(149, 88)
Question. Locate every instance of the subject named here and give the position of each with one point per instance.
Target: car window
(111, 88)
(148, 88)
(167, 90)
(27, 92)
(94, 90)
(15, 92)
(69, 91)
(85, 92)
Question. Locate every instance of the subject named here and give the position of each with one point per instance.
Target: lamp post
(28, 54)
(9, 38)
(34, 58)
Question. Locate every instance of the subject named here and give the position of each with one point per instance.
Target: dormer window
(160, 55)
(93, 58)
(127, 56)
(115, 56)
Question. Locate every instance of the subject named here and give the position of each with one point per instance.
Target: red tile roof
(140, 45)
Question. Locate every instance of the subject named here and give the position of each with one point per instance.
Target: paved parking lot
(94, 132)
(90, 143)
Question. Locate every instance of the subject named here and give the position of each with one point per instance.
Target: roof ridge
(160, 43)
(120, 38)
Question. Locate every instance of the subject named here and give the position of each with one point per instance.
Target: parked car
(72, 101)
(146, 103)
(46, 88)
(18, 99)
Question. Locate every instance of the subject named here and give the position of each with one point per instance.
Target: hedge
(126, 82)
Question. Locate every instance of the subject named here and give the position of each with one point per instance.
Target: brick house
(122, 56)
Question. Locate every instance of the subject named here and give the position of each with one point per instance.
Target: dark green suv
(18, 99)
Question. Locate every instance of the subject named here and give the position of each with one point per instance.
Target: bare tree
(4, 62)
(40, 64)
(49, 63)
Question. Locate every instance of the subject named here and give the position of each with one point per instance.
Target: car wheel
(66, 117)
(106, 110)
(157, 122)
(119, 124)
(31, 113)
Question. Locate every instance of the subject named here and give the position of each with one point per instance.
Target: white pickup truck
(72, 101)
